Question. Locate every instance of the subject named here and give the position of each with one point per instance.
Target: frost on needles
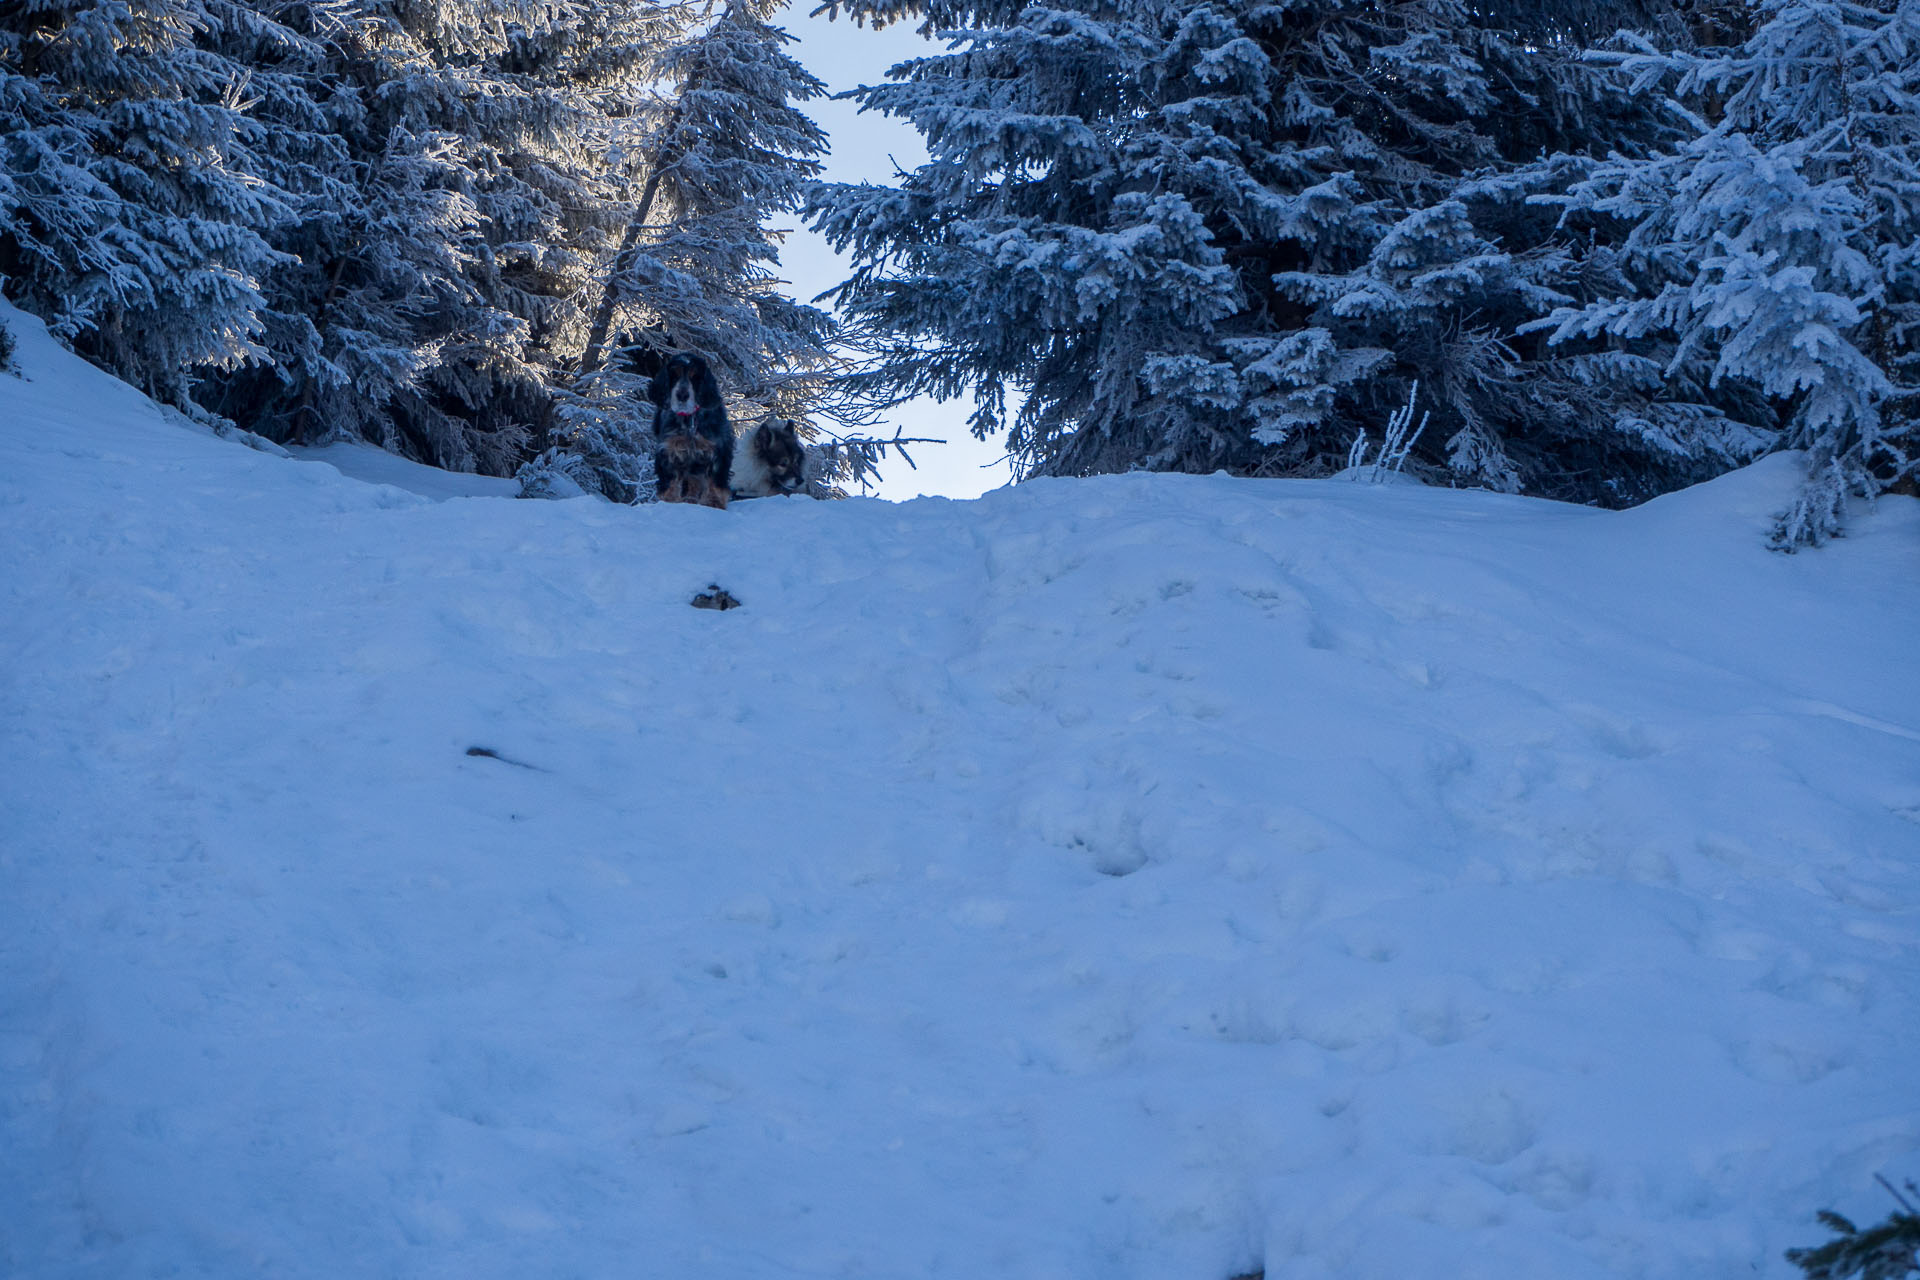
(1780, 244)
(1233, 235)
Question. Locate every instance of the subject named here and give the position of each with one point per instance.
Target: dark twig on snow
(488, 753)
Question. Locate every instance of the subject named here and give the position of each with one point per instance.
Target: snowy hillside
(1151, 878)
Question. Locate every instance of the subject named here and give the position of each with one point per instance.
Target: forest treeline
(408, 222)
(1603, 248)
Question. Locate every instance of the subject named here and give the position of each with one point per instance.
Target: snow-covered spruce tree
(1782, 241)
(1599, 420)
(725, 151)
(297, 123)
(1233, 234)
(445, 236)
(133, 216)
(554, 197)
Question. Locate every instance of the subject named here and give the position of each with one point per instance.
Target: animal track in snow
(1440, 1019)
(1116, 860)
(1555, 1180)
(1621, 737)
(1491, 1129)
(1777, 1060)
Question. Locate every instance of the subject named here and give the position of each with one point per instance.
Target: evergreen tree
(726, 151)
(368, 218)
(449, 218)
(1782, 241)
(133, 212)
(1234, 234)
(730, 150)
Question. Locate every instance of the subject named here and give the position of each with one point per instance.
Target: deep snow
(1151, 877)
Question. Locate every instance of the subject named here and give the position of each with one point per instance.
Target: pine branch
(858, 458)
(1889, 1251)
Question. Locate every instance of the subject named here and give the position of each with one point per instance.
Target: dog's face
(781, 452)
(683, 387)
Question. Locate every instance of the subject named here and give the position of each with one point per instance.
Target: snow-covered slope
(1152, 877)
(377, 466)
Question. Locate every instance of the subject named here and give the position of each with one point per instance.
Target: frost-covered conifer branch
(842, 460)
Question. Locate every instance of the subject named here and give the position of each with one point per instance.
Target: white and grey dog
(769, 460)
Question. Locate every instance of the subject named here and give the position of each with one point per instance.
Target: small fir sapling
(607, 455)
(1889, 1251)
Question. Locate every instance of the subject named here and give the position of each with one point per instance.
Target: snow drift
(1149, 877)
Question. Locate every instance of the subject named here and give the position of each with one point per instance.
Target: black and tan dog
(695, 457)
(687, 467)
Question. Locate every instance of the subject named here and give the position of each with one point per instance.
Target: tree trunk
(609, 295)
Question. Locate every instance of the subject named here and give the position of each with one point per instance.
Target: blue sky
(866, 147)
